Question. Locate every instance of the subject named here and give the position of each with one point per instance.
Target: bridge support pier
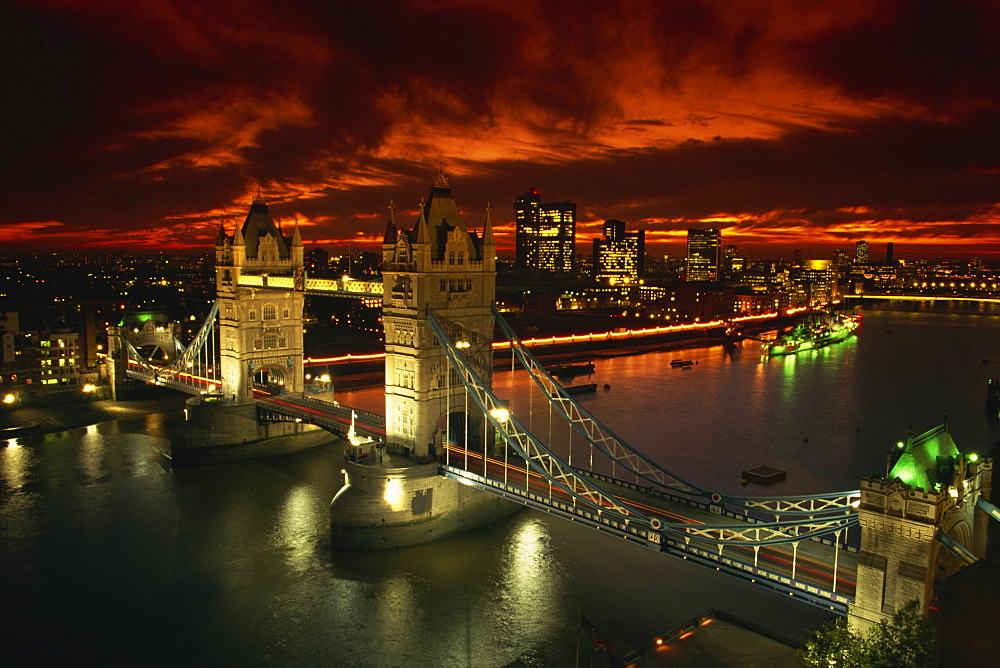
(387, 507)
(215, 433)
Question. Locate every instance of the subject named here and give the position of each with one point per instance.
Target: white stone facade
(441, 266)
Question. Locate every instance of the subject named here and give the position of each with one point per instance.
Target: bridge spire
(390, 226)
(420, 229)
(488, 239)
(221, 237)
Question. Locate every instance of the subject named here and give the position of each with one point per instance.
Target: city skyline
(788, 126)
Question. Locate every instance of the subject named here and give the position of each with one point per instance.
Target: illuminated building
(59, 357)
(817, 281)
(545, 236)
(619, 257)
(703, 254)
(861, 252)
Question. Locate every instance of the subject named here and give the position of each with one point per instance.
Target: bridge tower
(928, 498)
(438, 265)
(260, 284)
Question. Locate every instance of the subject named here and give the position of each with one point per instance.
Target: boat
(682, 363)
(566, 370)
(578, 389)
(764, 475)
(814, 333)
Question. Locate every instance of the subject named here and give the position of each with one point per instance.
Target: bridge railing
(620, 453)
(662, 542)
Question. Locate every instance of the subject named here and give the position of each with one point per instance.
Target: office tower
(703, 250)
(545, 236)
(818, 280)
(732, 263)
(889, 253)
(620, 256)
(861, 252)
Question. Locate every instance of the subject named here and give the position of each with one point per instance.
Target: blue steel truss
(619, 452)
(563, 477)
(195, 370)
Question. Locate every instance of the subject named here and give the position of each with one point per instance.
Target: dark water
(110, 555)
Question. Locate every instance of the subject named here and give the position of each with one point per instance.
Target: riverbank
(354, 376)
(60, 417)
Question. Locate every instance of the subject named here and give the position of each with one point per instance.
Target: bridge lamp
(462, 344)
(325, 378)
(89, 387)
(190, 364)
(211, 388)
(309, 376)
(973, 457)
(9, 398)
(500, 414)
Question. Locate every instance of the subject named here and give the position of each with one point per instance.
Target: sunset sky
(140, 124)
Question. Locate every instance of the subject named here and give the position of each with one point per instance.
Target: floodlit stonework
(931, 489)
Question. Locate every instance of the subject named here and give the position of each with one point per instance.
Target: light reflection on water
(134, 561)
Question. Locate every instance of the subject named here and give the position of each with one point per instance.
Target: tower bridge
(449, 454)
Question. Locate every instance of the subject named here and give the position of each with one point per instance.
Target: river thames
(110, 555)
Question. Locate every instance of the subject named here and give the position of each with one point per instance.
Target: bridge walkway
(805, 570)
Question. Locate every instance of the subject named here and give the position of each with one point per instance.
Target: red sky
(791, 124)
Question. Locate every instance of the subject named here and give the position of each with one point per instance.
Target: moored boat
(579, 389)
(812, 334)
(565, 370)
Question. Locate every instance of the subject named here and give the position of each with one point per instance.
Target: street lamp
(9, 398)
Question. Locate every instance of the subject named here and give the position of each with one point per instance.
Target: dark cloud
(160, 117)
(945, 55)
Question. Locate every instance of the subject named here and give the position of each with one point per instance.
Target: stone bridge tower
(440, 265)
(931, 489)
(260, 282)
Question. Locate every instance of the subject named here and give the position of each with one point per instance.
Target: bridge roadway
(806, 570)
(331, 416)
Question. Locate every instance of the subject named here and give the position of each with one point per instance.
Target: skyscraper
(620, 255)
(861, 252)
(703, 251)
(545, 236)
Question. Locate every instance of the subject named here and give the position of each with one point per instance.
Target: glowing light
(89, 387)
(973, 457)
(393, 494)
(9, 398)
(500, 414)
(900, 445)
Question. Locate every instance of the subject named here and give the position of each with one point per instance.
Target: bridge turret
(438, 265)
(928, 496)
(260, 287)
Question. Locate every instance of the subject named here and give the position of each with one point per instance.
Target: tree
(907, 641)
